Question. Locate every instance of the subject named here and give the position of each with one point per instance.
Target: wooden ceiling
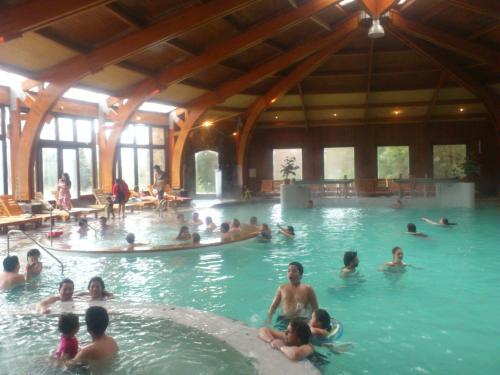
(436, 61)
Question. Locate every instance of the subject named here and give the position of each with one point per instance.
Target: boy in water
(10, 277)
(296, 300)
(351, 261)
(443, 222)
(294, 343)
(34, 266)
(412, 229)
(102, 346)
(397, 263)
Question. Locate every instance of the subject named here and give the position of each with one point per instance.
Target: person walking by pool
(294, 343)
(68, 345)
(66, 289)
(160, 182)
(412, 229)
(102, 347)
(296, 299)
(288, 232)
(209, 224)
(63, 192)
(121, 194)
(96, 290)
(443, 222)
(351, 261)
(34, 266)
(10, 277)
(184, 234)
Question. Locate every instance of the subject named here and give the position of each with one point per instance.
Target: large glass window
(142, 146)
(448, 160)
(207, 163)
(338, 163)
(67, 145)
(279, 161)
(393, 161)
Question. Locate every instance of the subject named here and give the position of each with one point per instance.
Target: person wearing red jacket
(121, 194)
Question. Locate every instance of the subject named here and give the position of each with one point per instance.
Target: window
(338, 163)
(67, 145)
(279, 156)
(142, 147)
(393, 161)
(448, 160)
(207, 163)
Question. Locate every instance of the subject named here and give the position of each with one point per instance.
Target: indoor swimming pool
(437, 317)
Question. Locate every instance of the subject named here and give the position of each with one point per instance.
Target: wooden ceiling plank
(484, 30)
(441, 38)
(377, 7)
(490, 8)
(315, 19)
(119, 13)
(436, 8)
(34, 14)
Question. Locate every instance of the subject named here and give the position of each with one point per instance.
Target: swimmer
(398, 204)
(10, 277)
(66, 289)
(195, 221)
(34, 266)
(224, 232)
(443, 222)
(181, 220)
(196, 239)
(321, 328)
(235, 226)
(412, 229)
(103, 222)
(295, 299)
(68, 345)
(131, 242)
(102, 346)
(184, 234)
(253, 221)
(294, 343)
(397, 261)
(83, 227)
(96, 290)
(265, 233)
(351, 261)
(209, 224)
(289, 232)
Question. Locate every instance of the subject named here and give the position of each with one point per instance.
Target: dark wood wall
(419, 137)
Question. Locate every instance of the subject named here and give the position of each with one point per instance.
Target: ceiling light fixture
(396, 112)
(334, 115)
(376, 30)
(276, 117)
(461, 109)
(206, 124)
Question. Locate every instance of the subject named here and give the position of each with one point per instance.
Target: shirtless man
(296, 300)
(351, 261)
(10, 276)
(397, 263)
(443, 222)
(66, 289)
(102, 347)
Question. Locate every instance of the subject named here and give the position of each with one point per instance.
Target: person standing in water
(121, 194)
(296, 300)
(351, 261)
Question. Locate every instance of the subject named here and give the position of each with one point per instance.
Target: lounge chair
(11, 214)
(76, 212)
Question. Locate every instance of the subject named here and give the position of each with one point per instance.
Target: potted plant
(471, 169)
(288, 168)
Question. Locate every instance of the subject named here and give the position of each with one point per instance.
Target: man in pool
(296, 300)
(10, 277)
(412, 229)
(66, 289)
(102, 347)
(351, 261)
(397, 263)
(443, 222)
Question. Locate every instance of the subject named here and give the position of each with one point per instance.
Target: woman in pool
(184, 234)
(66, 289)
(96, 290)
(289, 232)
(265, 233)
(209, 224)
(225, 235)
(397, 264)
(64, 195)
(294, 343)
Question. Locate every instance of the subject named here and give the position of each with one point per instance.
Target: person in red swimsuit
(121, 194)
(68, 346)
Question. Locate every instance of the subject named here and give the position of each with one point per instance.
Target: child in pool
(34, 266)
(109, 208)
(320, 323)
(68, 346)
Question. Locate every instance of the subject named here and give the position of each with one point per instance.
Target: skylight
(85, 95)
(345, 2)
(401, 2)
(156, 107)
(10, 79)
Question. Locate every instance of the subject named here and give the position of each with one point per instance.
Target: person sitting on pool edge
(96, 290)
(102, 347)
(66, 289)
(34, 266)
(443, 222)
(294, 343)
(412, 229)
(10, 277)
(289, 232)
(296, 300)
(351, 261)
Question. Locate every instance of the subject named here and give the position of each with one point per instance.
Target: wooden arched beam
(441, 38)
(199, 106)
(343, 36)
(64, 75)
(192, 65)
(490, 8)
(34, 14)
(377, 7)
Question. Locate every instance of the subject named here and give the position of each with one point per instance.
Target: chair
(76, 212)
(101, 201)
(12, 214)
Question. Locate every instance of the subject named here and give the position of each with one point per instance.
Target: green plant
(288, 167)
(471, 167)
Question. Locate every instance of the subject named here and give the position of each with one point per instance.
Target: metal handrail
(35, 242)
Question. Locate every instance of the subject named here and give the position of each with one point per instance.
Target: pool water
(439, 317)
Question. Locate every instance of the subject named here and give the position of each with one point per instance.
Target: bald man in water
(297, 300)
(10, 277)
